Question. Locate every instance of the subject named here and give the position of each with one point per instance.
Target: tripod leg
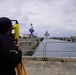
(24, 68)
(19, 69)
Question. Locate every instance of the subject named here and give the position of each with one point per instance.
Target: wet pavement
(50, 68)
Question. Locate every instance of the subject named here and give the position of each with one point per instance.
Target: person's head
(5, 25)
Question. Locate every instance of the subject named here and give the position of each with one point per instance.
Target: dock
(49, 65)
(34, 67)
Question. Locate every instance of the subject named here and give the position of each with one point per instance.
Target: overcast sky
(58, 17)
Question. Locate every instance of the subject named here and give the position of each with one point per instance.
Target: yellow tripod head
(15, 30)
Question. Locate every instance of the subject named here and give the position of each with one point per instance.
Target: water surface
(51, 47)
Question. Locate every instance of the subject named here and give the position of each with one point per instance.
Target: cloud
(55, 16)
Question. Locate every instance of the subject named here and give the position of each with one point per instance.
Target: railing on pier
(45, 49)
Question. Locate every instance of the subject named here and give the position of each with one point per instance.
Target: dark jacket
(9, 56)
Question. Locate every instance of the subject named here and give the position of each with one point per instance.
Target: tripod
(20, 69)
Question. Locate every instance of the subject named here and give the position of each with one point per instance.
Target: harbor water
(56, 48)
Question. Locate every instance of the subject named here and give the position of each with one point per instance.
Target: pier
(49, 65)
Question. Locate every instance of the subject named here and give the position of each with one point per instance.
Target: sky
(58, 17)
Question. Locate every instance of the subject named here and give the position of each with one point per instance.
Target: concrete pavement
(49, 68)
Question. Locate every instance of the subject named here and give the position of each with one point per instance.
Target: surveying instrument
(20, 69)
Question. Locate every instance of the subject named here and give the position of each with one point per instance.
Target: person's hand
(17, 46)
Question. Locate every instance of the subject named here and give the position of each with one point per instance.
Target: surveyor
(10, 55)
